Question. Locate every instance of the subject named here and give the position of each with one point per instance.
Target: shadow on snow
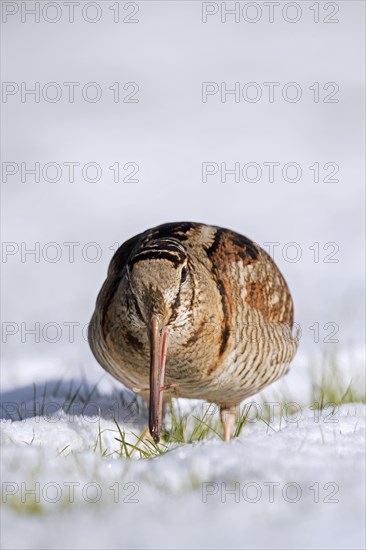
(73, 398)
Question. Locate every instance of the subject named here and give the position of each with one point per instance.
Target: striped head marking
(158, 277)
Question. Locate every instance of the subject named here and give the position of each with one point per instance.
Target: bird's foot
(167, 387)
(140, 390)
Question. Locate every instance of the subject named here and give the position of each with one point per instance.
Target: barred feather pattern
(230, 324)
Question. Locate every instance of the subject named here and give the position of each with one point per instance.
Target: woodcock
(196, 309)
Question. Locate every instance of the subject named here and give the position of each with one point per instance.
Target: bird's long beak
(158, 347)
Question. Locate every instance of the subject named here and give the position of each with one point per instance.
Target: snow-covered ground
(293, 480)
(299, 485)
(59, 237)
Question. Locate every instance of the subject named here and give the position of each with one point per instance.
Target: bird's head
(161, 285)
(159, 281)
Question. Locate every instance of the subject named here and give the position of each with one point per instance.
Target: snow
(294, 481)
(185, 498)
(55, 441)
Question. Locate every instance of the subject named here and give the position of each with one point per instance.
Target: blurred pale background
(169, 133)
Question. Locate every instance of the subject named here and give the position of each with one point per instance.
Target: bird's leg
(228, 417)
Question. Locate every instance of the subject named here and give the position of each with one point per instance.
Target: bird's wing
(265, 286)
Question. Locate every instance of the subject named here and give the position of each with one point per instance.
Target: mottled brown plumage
(222, 310)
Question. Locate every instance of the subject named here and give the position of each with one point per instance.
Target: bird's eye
(184, 272)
